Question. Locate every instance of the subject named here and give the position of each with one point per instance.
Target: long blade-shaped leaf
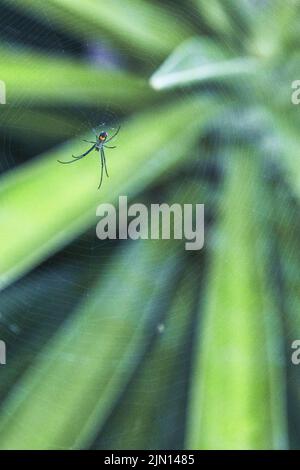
(142, 25)
(33, 78)
(237, 399)
(154, 417)
(151, 413)
(198, 60)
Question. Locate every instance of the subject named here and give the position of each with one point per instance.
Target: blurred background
(142, 344)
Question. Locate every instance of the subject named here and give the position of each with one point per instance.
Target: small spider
(98, 145)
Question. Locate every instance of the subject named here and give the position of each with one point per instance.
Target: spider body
(99, 145)
(102, 137)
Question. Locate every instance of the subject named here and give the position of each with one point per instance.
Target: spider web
(35, 307)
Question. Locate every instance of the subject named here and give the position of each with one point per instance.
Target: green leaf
(146, 417)
(32, 78)
(141, 25)
(33, 308)
(286, 228)
(150, 415)
(42, 124)
(44, 204)
(237, 396)
(229, 18)
(275, 25)
(62, 400)
(198, 60)
(283, 144)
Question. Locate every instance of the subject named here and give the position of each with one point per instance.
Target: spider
(98, 145)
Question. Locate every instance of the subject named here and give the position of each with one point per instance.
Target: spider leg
(80, 156)
(106, 146)
(89, 141)
(104, 161)
(70, 161)
(85, 153)
(113, 136)
(101, 178)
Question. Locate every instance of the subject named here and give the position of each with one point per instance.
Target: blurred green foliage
(141, 344)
